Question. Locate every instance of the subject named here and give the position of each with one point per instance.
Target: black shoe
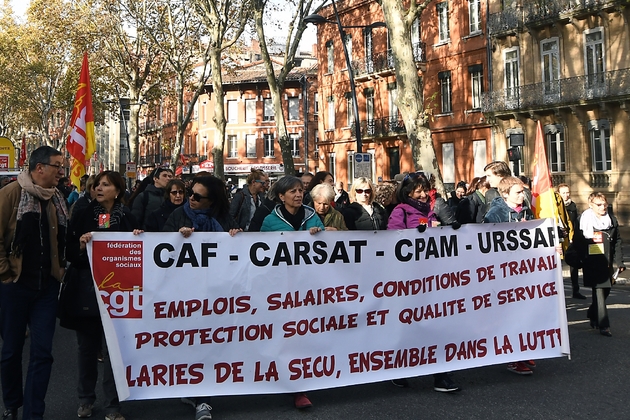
(10, 415)
(605, 332)
(401, 383)
(444, 384)
(578, 295)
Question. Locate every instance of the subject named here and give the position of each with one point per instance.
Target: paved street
(593, 384)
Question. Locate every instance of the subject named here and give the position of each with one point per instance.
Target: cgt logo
(117, 269)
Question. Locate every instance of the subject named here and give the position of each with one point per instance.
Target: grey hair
(324, 191)
(287, 182)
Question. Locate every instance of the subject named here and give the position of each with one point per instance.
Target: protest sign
(289, 311)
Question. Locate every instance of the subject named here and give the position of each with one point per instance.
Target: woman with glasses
(364, 213)
(246, 201)
(106, 212)
(418, 205)
(600, 241)
(173, 198)
(206, 210)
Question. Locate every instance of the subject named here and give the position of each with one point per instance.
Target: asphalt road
(592, 384)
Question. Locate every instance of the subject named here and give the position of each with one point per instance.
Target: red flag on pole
(22, 161)
(81, 142)
(543, 201)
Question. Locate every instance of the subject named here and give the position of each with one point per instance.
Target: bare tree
(225, 21)
(276, 79)
(399, 17)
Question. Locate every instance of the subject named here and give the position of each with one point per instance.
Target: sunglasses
(260, 181)
(415, 175)
(360, 191)
(177, 192)
(198, 197)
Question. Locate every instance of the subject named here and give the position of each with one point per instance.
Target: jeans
(21, 306)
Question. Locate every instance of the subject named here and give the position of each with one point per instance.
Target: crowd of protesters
(45, 225)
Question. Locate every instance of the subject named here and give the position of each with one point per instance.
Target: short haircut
(507, 183)
(324, 191)
(563, 185)
(385, 192)
(254, 175)
(116, 180)
(595, 195)
(169, 187)
(499, 168)
(286, 183)
(42, 155)
(361, 181)
(158, 171)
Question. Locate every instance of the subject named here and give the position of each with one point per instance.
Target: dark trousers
(21, 306)
(90, 341)
(597, 312)
(575, 285)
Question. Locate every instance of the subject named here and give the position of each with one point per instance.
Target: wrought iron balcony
(384, 61)
(382, 127)
(150, 160)
(145, 126)
(572, 90)
(507, 21)
(543, 12)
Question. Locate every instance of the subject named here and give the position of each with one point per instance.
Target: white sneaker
(203, 412)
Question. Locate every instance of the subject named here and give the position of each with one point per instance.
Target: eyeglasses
(260, 181)
(177, 192)
(360, 191)
(198, 197)
(414, 175)
(58, 166)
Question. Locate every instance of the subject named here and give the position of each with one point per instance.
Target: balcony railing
(149, 126)
(508, 20)
(543, 11)
(573, 90)
(382, 127)
(384, 61)
(150, 160)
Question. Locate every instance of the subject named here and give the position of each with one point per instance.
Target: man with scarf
(33, 220)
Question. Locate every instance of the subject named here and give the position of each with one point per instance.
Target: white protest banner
(289, 311)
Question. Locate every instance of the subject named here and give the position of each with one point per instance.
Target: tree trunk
(219, 113)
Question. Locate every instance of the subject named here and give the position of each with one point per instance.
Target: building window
(512, 79)
(445, 91)
(476, 84)
(555, 147)
(232, 108)
(250, 140)
(480, 158)
(250, 110)
(331, 113)
(599, 132)
(350, 110)
(332, 164)
(269, 145)
(550, 62)
(294, 108)
(443, 31)
(594, 56)
(269, 113)
(330, 57)
(369, 112)
(294, 143)
(474, 16)
(448, 163)
(393, 107)
(203, 113)
(316, 104)
(369, 50)
(232, 146)
(316, 152)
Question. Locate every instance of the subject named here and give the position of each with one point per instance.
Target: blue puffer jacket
(276, 222)
(500, 212)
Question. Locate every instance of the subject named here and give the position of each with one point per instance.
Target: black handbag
(77, 297)
(575, 255)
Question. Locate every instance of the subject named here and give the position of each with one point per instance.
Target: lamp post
(318, 19)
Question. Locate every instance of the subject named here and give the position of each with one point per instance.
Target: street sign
(131, 170)
(363, 165)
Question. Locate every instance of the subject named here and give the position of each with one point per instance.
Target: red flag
(81, 142)
(22, 161)
(543, 202)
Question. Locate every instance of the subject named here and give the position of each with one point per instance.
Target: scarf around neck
(202, 221)
(589, 222)
(31, 196)
(424, 209)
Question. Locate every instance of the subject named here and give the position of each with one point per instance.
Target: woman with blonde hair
(364, 213)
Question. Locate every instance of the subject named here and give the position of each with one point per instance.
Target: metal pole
(353, 90)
